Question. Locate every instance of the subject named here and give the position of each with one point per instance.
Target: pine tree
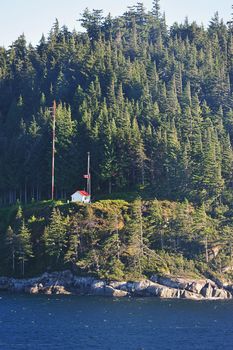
(112, 265)
(73, 244)
(155, 224)
(156, 9)
(24, 246)
(203, 229)
(135, 244)
(11, 241)
(55, 237)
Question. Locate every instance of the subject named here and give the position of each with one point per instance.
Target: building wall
(77, 197)
(86, 199)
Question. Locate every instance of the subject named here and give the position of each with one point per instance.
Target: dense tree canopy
(152, 104)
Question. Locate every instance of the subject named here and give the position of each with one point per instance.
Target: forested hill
(152, 104)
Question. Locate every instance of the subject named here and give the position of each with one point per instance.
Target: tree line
(152, 104)
(116, 239)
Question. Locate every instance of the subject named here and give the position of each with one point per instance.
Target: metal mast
(53, 147)
(88, 173)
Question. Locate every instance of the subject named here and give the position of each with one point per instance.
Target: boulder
(221, 294)
(60, 290)
(32, 289)
(46, 290)
(111, 292)
(83, 283)
(229, 288)
(164, 292)
(207, 291)
(154, 289)
(130, 287)
(178, 283)
(140, 288)
(169, 293)
(185, 294)
(193, 286)
(52, 290)
(98, 287)
(171, 282)
(196, 286)
(118, 285)
(120, 293)
(57, 278)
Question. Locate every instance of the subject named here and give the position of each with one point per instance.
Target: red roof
(84, 193)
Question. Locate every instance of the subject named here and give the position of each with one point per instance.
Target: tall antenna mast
(53, 147)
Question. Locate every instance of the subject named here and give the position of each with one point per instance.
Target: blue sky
(34, 17)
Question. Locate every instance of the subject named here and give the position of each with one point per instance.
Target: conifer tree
(11, 242)
(203, 229)
(24, 246)
(55, 237)
(135, 246)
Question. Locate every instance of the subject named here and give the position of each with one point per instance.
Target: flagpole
(88, 173)
(53, 148)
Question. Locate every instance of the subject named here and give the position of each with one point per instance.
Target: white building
(81, 196)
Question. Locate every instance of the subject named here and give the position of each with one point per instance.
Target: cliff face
(157, 286)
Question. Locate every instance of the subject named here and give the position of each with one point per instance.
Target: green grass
(127, 196)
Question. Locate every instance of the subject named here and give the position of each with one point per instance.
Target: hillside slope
(115, 239)
(152, 104)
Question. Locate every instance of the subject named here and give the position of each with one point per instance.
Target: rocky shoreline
(157, 286)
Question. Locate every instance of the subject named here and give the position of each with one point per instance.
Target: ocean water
(71, 322)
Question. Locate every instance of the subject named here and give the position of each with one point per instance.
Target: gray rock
(46, 290)
(140, 288)
(173, 282)
(154, 289)
(118, 285)
(83, 283)
(98, 284)
(60, 290)
(64, 278)
(109, 291)
(196, 286)
(120, 293)
(185, 294)
(163, 287)
(32, 289)
(164, 292)
(130, 287)
(168, 293)
(98, 287)
(207, 291)
(221, 294)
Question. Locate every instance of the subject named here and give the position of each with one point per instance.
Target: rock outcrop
(164, 287)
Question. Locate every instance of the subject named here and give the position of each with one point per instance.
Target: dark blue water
(69, 322)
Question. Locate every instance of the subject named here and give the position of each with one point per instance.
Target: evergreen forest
(154, 106)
